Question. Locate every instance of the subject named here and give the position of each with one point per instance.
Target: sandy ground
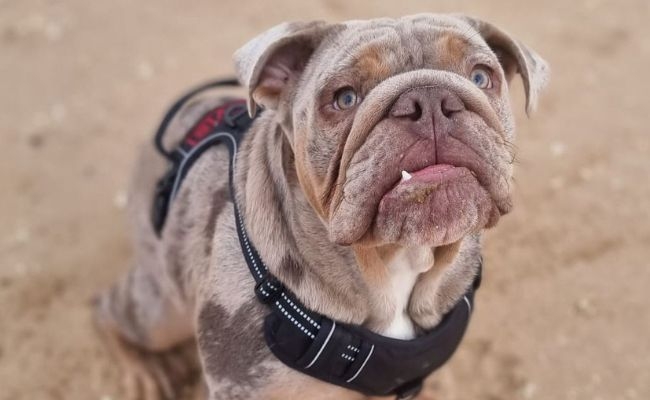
(564, 310)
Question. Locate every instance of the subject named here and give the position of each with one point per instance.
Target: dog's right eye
(480, 76)
(345, 98)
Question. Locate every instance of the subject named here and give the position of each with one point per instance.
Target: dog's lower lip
(432, 174)
(436, 168)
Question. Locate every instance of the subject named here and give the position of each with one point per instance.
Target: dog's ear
(515, 58)
(272, 62)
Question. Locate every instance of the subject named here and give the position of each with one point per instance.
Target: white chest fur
(404, 268)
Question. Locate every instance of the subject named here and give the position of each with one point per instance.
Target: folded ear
(515, 58)
(272, 62)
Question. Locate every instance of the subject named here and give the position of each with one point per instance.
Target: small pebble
(53, 31)
(120, 199)
(58, 112)
(558, 149)
(144, 70)
(529, 390)
(585, 307)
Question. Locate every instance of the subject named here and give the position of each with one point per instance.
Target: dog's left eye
(345, 98)
(481, 78)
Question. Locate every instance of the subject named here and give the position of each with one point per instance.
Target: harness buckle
(268, 290)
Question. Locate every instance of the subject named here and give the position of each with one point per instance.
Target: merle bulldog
(327, 248)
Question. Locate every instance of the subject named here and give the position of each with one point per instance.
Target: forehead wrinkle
(346, 48)
(412, 40)
(369, 36)
(452, 49)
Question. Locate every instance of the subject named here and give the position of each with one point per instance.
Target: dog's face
(401, 128)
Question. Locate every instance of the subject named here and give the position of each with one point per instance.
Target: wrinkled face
(402, 131)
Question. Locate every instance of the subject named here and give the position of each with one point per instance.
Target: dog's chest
(403, 270)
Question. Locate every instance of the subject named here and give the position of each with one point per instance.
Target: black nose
(427, 110)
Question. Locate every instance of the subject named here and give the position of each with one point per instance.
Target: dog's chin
(437, 206)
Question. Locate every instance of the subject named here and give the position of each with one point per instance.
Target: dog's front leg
(148, 334)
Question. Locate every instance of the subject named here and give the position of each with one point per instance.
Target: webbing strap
(176, 107)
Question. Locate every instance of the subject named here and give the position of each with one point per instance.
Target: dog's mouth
(430, 191)
(433, 205)
(432, 175)
(415, 195)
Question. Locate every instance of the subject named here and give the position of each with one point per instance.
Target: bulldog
(384, 149)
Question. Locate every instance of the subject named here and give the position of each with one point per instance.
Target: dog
(384, 149)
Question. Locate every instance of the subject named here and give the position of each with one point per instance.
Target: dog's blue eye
(481, 78)
(345, 98)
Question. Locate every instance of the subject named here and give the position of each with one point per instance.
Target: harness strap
(176, 107)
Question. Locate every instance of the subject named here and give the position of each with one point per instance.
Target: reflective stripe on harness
(346, 355)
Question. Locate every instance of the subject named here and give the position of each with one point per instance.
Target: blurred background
(564, 310)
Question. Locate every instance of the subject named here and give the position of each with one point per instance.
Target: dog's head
(401, 129)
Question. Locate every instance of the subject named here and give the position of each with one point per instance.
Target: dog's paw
(161, 376)
(149, 375)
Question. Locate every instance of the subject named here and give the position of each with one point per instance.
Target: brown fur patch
(372, 264)
(371, 65)
(452, 50)
(266, 95)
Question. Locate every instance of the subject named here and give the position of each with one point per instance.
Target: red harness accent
(208, 123)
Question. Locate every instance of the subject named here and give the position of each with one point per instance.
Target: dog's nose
(427, 110)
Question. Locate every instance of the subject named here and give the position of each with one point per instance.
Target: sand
(563, 312)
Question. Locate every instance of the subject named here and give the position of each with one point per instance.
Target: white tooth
(405, 176)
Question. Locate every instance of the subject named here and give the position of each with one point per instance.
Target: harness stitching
(329, 335)
(295, 322)
(311, 321)
(362, 365)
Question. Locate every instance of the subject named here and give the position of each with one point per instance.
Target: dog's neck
(392, 290)
(393, 272)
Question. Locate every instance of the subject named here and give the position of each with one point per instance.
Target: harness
(342, 354)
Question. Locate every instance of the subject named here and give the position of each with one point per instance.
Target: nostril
(410, 109)
(417, 112)
(451, 105)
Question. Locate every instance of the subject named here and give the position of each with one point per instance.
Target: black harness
(342, 354)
